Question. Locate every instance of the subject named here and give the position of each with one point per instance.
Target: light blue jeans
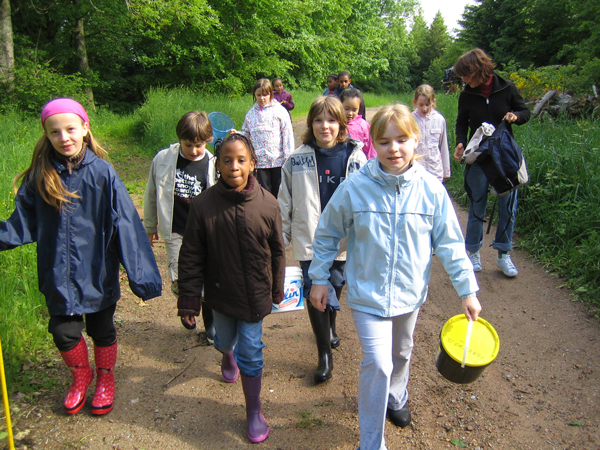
(507, 211)
(244, 338)
(387, 344)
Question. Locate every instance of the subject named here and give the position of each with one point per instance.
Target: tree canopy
(112, 51)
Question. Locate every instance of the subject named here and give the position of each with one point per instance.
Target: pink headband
(63, 105)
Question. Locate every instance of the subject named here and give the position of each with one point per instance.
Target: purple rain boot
(229, 368)
(258, 430)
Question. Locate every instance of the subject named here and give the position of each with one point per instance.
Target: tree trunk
(7, 54)
(84, 66)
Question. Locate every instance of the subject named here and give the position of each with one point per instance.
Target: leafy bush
(35, 84)
(535, 82)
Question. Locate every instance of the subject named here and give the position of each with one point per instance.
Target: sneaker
(507, 266)
(475, 260)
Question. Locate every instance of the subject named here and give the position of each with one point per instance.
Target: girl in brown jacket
(233, 247)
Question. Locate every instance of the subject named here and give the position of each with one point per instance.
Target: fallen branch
(180, 373)
(538, 108)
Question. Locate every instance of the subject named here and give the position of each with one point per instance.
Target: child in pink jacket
(358, 127)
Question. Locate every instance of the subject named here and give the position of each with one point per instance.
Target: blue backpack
(502, 162)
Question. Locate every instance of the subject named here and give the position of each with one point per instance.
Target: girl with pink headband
(74, 205)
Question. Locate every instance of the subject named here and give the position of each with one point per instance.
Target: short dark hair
(344, 73)
(333, 76)
(194, 127)
(351, 93)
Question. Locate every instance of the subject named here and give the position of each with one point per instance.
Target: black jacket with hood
(474, 108)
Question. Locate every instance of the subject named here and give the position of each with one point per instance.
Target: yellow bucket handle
(467, 341)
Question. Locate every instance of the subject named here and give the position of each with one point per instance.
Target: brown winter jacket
(233, 247)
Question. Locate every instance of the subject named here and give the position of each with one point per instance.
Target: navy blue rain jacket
(80, 248)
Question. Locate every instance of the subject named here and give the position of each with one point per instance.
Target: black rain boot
(208, 319)
(320, 324)
(335, 340)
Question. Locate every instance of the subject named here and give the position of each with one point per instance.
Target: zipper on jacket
(394, 249)
(68, 255)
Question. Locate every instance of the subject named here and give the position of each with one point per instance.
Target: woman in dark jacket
(492, 99)
(233, 248)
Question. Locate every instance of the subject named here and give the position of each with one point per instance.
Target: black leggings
(66, 330)
(270, 179)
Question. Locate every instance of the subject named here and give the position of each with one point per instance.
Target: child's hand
(470, 306)
(152, 237)
(233, 131)
(188, 321)
(318, 296)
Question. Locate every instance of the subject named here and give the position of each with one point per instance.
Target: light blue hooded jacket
(393, 223)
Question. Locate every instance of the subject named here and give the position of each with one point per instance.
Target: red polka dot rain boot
(77, 361)
(106, 357)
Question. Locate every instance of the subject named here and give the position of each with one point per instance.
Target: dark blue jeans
(507, 212)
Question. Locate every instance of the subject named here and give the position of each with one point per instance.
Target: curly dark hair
(232, 138)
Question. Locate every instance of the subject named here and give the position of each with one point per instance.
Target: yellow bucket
(482, 349)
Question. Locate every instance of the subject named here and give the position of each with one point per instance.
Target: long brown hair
(333, 106)
(42, 173)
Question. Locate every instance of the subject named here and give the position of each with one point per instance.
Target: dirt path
(542, 392)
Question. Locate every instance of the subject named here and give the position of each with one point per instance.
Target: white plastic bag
(470, 155)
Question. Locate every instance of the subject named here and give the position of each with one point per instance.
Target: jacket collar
(498, 84)
(373, 170)
(87, 159)
(250, 192)
(268, 105)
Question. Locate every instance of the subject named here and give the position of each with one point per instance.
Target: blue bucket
(221, 124)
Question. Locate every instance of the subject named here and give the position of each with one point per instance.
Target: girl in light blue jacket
(394, 213)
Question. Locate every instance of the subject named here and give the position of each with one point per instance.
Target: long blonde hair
(42, 173)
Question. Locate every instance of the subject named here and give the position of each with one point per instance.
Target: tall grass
(164, 107)
(558, 219)
(23, 313)
(559, 210)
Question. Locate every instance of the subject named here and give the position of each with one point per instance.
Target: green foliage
(23, 314)
(430, 44)
(163, 108)
(559, 213)
(219, 47)
(536, 33)
(535, 82)
(36, 84)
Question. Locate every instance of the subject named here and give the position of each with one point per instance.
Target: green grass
(23, 313)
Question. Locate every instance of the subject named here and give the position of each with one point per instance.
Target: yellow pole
(11, 442)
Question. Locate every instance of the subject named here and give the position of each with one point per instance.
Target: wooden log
(538, 108)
